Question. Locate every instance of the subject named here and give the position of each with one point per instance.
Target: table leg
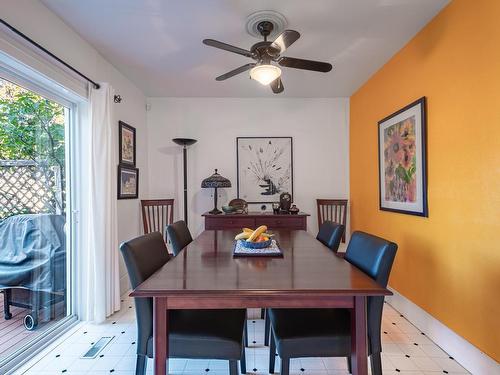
(160, 335)
(359, 352)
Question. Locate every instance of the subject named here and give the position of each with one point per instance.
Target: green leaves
(31, 126)
(404, 174)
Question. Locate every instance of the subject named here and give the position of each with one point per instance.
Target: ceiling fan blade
(277, 86)
(227, 47)
(282, 42)
(236, 71)
(317, 66)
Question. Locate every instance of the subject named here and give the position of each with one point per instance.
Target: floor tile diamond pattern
(406, 350)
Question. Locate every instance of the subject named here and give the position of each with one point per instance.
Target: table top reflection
(207, 266)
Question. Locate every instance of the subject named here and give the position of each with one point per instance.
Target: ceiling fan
(264, 53)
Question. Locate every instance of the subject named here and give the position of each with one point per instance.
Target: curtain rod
(16, 31)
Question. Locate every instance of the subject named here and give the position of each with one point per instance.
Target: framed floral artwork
(402, 160)
(126, 144)
(264, 167)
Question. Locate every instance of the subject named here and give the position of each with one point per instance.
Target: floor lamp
(184, 142)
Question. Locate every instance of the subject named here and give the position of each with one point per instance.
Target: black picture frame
(238, 183)
(418, 166)
(123, 130)
(122, 169)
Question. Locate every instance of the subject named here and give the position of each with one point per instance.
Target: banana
(256, 233)
(242, 236)
(247, 233)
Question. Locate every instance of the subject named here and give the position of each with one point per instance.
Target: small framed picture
(127, 144)
(402, 160)
(128, 182)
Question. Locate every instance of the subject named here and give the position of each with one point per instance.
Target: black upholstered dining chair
(199, 334)
(330, 234)
(178, 236)
(327, 332)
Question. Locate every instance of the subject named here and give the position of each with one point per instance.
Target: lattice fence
(30, 187)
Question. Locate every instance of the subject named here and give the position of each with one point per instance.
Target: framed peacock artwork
(265, 168)
(402, 160)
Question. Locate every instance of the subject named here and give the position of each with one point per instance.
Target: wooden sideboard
(255, 219)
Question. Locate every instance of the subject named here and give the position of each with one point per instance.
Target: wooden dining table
(206, 275)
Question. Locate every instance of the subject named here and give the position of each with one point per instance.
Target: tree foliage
(31, 126)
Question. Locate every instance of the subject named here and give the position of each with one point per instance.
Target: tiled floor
(405, 351)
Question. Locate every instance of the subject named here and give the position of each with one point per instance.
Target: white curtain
(99, 295)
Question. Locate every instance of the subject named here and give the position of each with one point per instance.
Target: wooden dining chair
(157, 214)
(332, 210)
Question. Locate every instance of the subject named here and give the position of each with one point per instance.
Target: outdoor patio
(12, 332)
(31, 204)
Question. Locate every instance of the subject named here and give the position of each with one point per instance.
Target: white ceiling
(157, 43)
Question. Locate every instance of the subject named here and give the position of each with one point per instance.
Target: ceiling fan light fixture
(265, 74)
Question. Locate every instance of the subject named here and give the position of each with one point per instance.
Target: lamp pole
(184, 142)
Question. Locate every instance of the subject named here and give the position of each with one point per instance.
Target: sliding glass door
(35, 225)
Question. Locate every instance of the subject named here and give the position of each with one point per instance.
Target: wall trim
(465, 353)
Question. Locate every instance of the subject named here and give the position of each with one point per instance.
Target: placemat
(271, 251)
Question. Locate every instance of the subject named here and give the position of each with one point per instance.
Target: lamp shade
(265, 74)
(216, 181)
(184, 141)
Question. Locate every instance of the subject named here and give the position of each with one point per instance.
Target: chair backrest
(374, 256)
(143, 256)
(178, 236)
(332, 210)
(330, 234)
(157, 214)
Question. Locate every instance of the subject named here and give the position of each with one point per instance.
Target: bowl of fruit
(255, 239)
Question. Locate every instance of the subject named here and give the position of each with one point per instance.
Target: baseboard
(469, 356)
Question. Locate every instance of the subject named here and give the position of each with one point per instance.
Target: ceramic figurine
(285, 202)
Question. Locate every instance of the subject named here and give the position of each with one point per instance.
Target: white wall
(319, 128)
(40, 24)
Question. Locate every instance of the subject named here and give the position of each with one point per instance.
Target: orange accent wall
(448, 263)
